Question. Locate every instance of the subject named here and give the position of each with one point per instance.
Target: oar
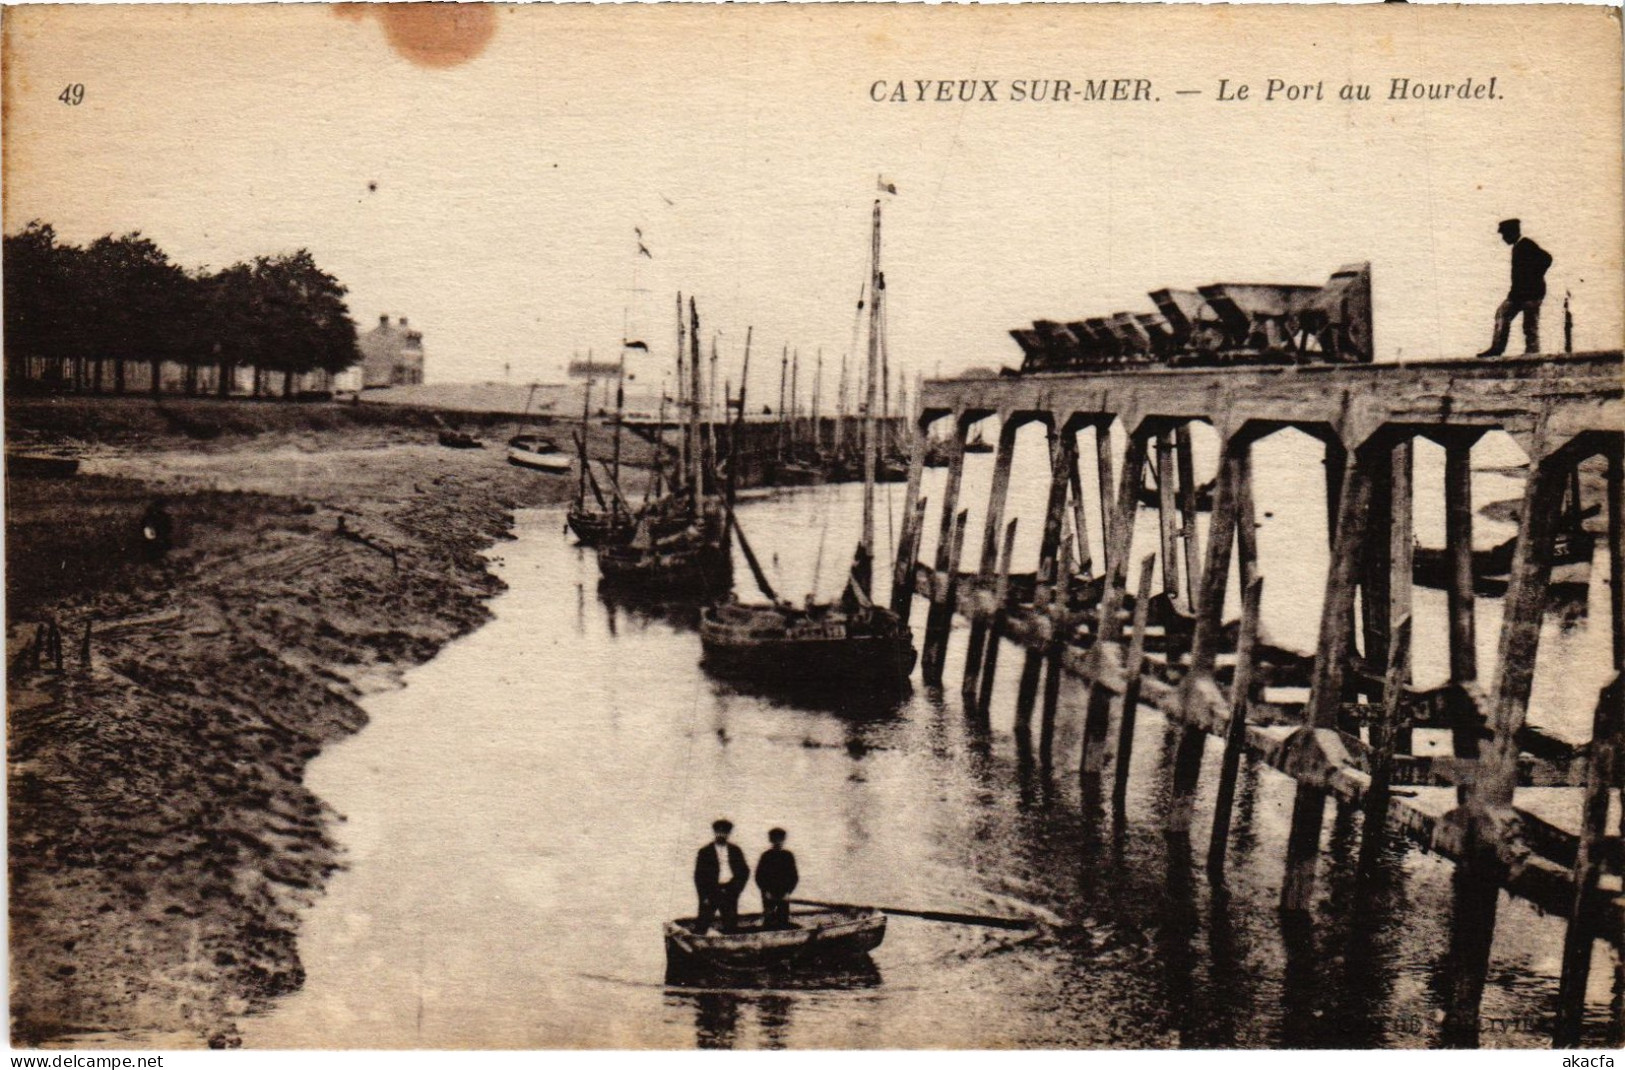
(933, 915)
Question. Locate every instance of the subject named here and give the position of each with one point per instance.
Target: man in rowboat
(716, 896)
(776, 877)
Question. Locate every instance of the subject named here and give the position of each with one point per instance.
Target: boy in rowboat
(776, 877)
(717, 896)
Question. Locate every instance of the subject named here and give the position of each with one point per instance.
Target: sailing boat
(679, 545)
(850, 643)
(531, 450)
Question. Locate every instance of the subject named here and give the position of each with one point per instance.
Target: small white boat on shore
(535, 451)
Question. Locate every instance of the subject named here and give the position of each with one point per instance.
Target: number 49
(73, 95)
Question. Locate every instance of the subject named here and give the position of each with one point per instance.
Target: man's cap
(776, 834)
(1508, 224)
(722, 824)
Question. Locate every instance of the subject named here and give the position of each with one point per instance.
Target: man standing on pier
(717, 896)
(1529, 264)
(776, 876)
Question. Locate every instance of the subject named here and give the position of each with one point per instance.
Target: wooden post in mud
(1235, 732)
(995, 631)
(1401, 581)
(1326, 683)
(939, 619)
(1168, 522)
(996, 497)
(1186, 464)
(1387, 733)
(948, 589)
(1103, 472)
(84, 646)
(1209, 628)
(1119, 529)
(1054, 579)
(908, 542)
(1130, 701)
(1602, 772)
(1080, 517)
(1458, 527)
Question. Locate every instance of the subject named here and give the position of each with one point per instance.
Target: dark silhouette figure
(776, 877)
(157, 530)
(1529, 264)
(718, 896)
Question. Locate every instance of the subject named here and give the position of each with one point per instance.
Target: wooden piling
(995, 631)
(997, 494)
(1103, 472)
(1054, 582)
(1326, 683)
(1602, 772)
(1616, 547)
(1186, 464)
(1522, 612)
(1119, 529)
(947, 594)
(908, 541)
(1387, 732)
(939, 619)
(1129, 702)
(1235, 732)
(1459, 594)
(1080, 517)
(1168, 521)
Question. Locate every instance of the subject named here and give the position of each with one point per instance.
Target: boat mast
(784, 371)
(840, 415)
(876, 284)
(698, 472)
(818, 385)
(586, 414)
(713, 454)
(682, 394)
(795, 403)
(620, 413)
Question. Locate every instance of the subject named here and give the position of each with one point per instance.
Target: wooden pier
(1350, 738)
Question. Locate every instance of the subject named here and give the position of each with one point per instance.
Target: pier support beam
(1460, 595)
(908, 541)
(1055, 582)
(1119, 528)
(1235, 733)
(1129, 703)
(995, 629)
(939, 620)
(1326, 683)
(997, 494)
(1105, 483)
(1233, 467)
(1186, 464)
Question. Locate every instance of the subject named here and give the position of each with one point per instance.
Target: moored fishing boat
(848, 644)
(535, 451)
(817, 935)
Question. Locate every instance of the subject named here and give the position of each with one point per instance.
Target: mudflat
(162, 842)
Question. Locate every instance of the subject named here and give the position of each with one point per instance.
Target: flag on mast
(885, 186)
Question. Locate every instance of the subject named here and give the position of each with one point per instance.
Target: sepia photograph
(814, 526)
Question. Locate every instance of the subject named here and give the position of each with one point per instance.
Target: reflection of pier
(1348, 730)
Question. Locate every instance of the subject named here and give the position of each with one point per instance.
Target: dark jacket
(776, 872)
(1529, 264)
(705, 869)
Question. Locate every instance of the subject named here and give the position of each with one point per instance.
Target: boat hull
(1571, 564)
(817, 937)
(553, 463)
(808, 656)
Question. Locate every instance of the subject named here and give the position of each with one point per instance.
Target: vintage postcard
(814, 526)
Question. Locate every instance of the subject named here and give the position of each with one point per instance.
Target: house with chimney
(391, 355)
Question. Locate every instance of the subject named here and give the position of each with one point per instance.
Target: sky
(488, 189)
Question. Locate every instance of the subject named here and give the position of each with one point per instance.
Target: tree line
(81, 316)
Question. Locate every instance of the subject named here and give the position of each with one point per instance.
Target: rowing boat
(818, 935)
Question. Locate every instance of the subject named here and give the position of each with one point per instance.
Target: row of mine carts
(1219, 324)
